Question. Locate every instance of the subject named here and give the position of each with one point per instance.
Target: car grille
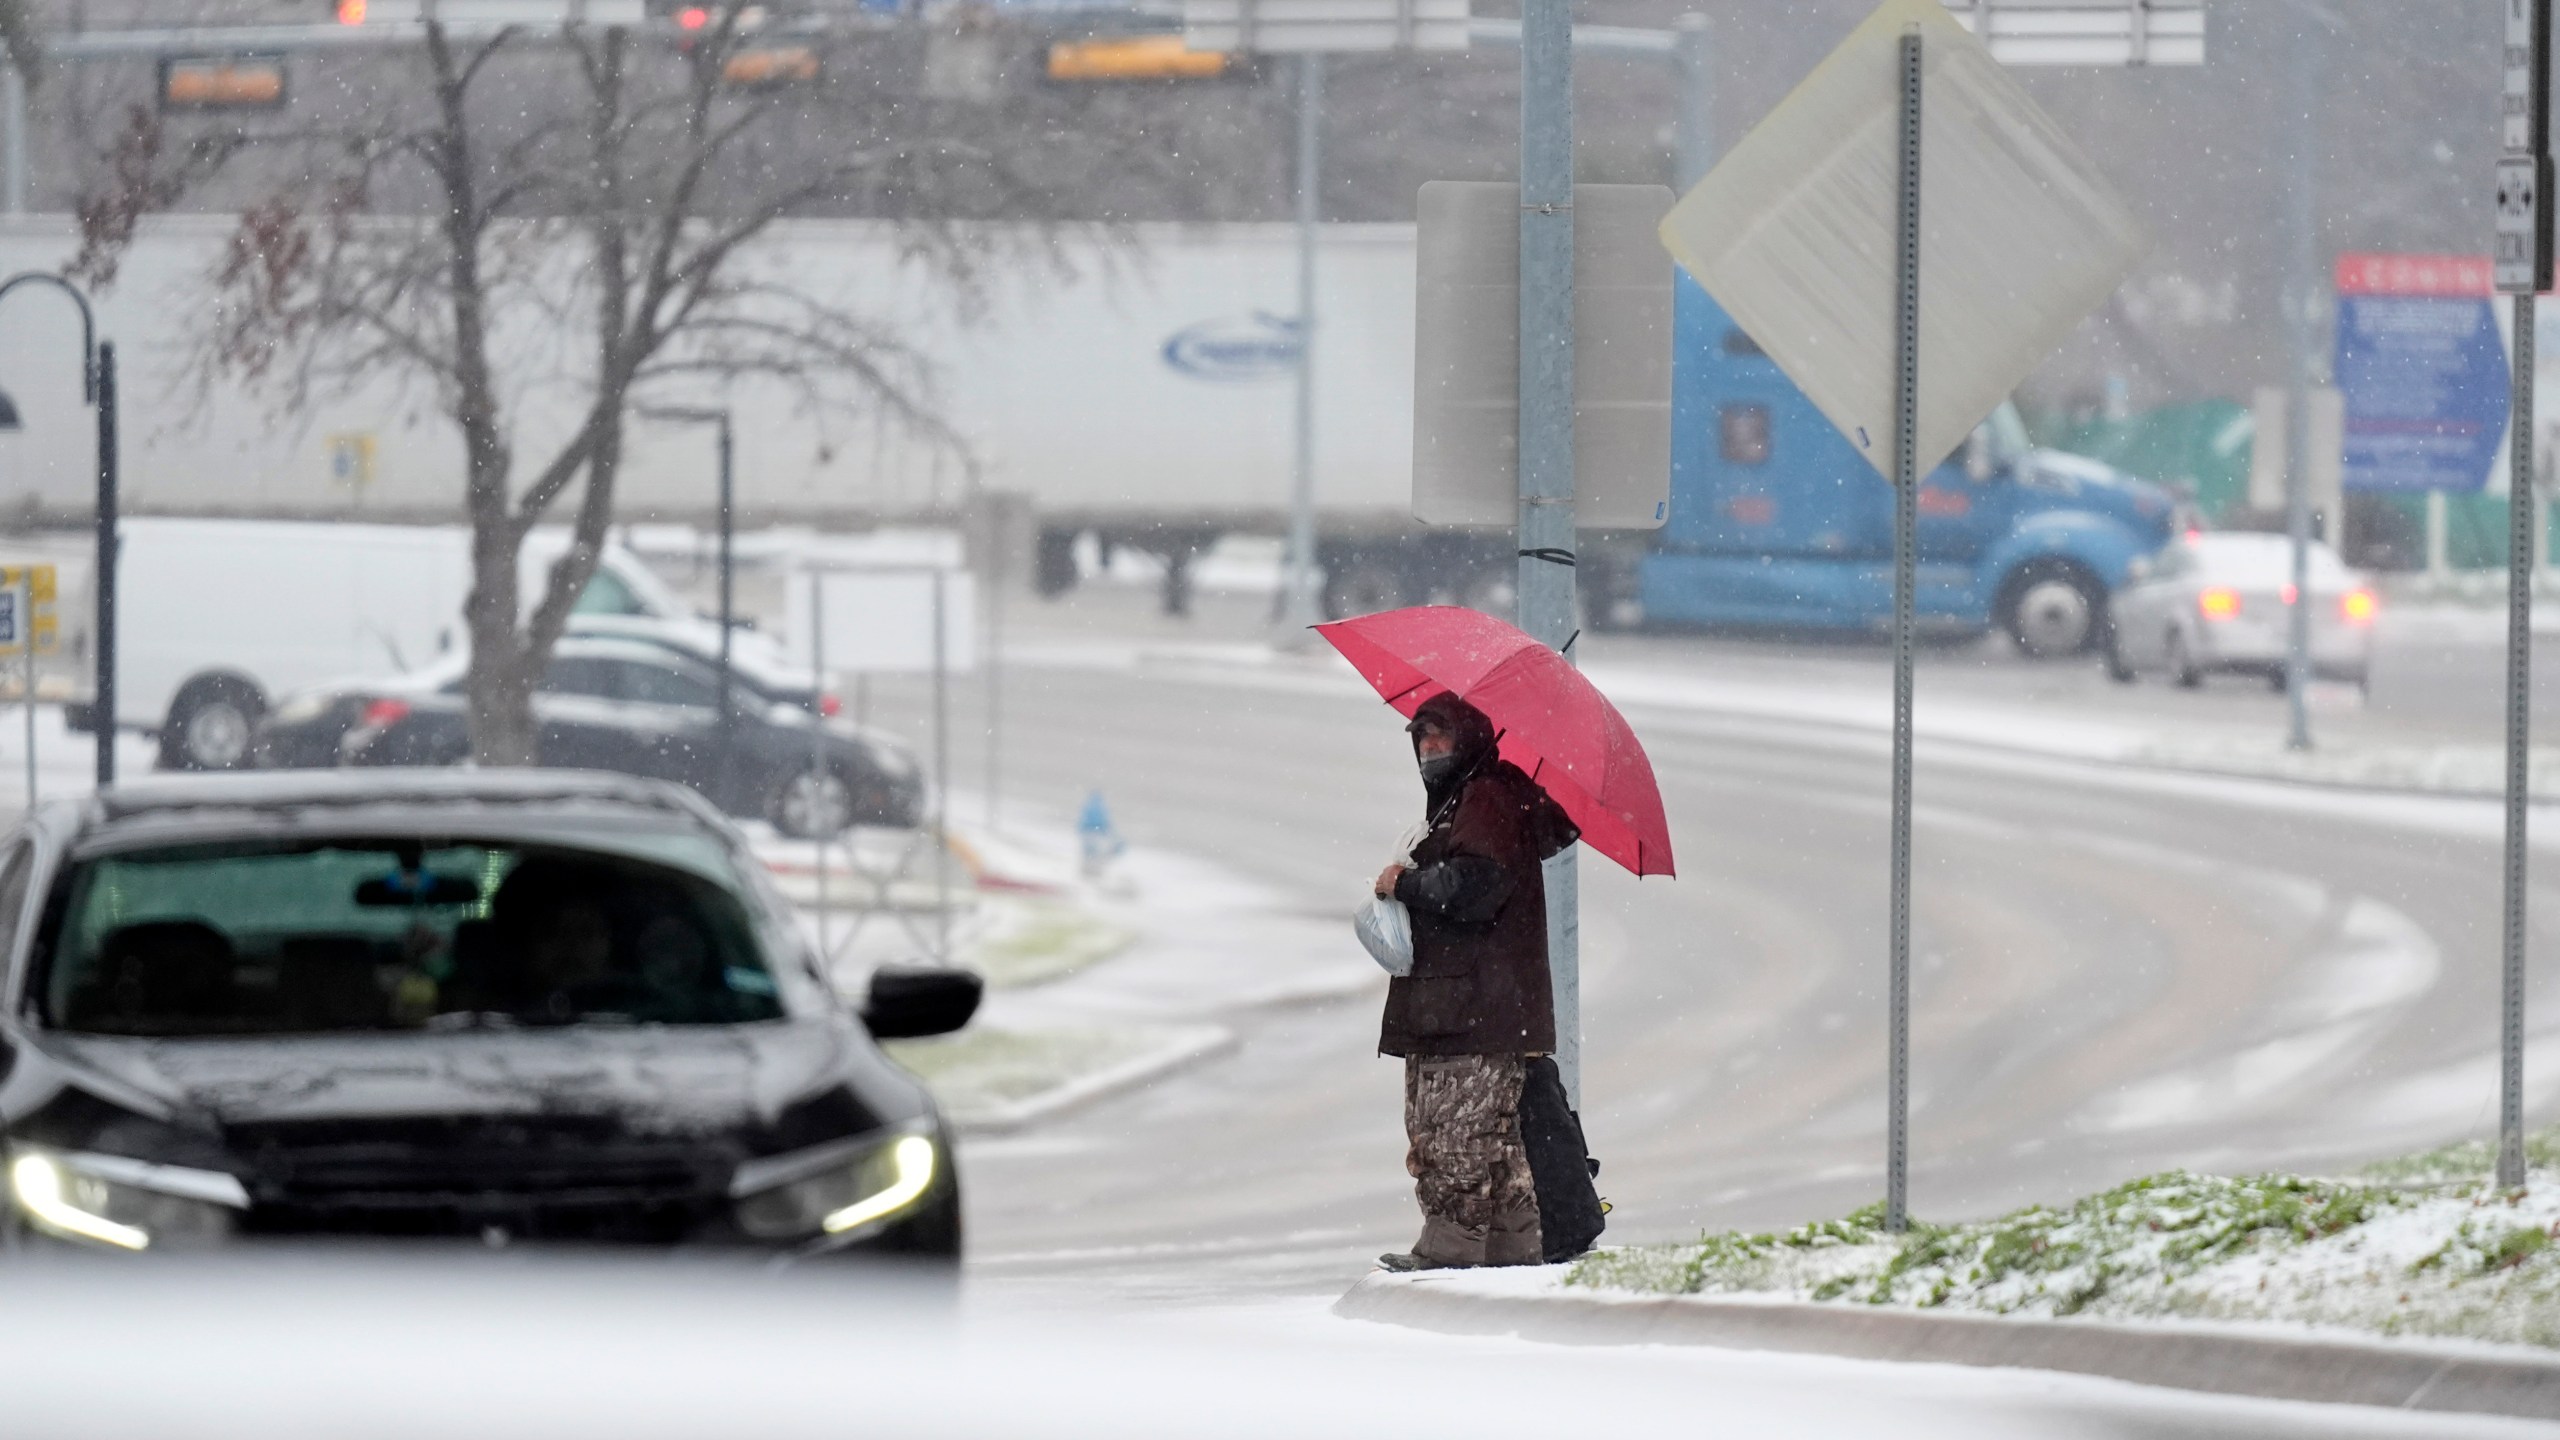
(524, 1178)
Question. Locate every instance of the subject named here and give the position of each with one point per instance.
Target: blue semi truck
(1777, 522)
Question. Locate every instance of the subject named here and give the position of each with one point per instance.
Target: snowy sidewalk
(1099, 987)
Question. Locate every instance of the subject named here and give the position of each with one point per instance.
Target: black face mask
(1440, 769)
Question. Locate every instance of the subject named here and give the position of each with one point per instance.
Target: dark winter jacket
(1479, 904)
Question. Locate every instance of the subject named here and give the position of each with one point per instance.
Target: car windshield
(300, 937)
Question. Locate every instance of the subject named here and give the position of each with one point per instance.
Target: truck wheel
(210, 725)
(1361, 586)
(2057, 611)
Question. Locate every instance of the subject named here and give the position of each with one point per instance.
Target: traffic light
(350, 12)
(1108, 58)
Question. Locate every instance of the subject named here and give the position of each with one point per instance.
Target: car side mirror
(907, 1001)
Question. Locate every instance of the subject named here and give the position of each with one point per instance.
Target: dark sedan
(495, 1006)
(632, 707)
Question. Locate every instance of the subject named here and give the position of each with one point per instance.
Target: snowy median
(2416, 1283)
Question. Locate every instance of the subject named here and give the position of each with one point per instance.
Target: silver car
(2222, 602)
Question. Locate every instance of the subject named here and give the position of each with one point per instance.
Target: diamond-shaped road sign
(1793, 233)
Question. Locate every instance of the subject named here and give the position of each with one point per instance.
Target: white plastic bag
(1384, 927)
(1386, 932)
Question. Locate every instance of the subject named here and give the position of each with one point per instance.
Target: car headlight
(121, 1202)
(834, 1189)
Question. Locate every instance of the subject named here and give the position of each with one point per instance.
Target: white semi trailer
(1137, 389)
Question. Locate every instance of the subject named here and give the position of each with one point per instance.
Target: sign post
(2024, 241)
(2523, 261)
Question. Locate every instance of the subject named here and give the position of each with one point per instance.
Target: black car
(494, 1006)
(629, 706)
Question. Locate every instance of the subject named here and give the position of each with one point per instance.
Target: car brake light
(2218, 603)
(2290, 594)
(2358, 606)
(382, 714)
(830, 706)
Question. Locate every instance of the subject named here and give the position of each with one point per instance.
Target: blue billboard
(2422, 370)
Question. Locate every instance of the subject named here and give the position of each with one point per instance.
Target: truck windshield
(308, 937)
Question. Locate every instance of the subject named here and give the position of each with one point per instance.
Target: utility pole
(1546, 434)
(2302, 299)
(1300, 607)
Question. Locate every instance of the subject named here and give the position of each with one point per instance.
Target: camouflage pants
(1470, 1172)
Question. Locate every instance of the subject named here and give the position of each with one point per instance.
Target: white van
(217, 618)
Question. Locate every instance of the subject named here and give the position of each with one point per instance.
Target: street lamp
(689, 415)
(98, 390)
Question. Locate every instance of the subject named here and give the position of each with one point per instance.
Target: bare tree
(598, 194)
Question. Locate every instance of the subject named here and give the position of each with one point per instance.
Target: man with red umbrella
(1520, 756)
(1479, 1003)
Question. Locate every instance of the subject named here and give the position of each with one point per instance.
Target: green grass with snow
(2426, 1245)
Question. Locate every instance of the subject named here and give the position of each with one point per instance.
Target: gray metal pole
(728, 736)
(818, 748)
(2520, 557)
(2301, 288)
(27, 637)
(1301, 608)
(1546, 432)
(1696, 153)
(13, 140)
(941, 774)
(1906, 490)
(104, 695)
(993, 659)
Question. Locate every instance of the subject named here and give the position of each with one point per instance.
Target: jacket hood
(1474, 752)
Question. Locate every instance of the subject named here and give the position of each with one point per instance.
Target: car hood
(661, 1079)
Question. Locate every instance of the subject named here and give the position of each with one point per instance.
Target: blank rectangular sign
(880, 622)
(1466, 356)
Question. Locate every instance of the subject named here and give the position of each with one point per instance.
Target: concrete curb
(2226, 1360)
(1194, 1044)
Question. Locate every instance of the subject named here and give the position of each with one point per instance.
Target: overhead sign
(2112, 33)
(37, 583)
(1466, 356)
(2423, 371)
(1274, 27)
(1793, 234)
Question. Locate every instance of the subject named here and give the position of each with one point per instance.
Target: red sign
(2443, 275)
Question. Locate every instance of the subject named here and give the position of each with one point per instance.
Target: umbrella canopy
(1559, 729)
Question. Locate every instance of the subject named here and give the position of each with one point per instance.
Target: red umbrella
(1563, 733)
